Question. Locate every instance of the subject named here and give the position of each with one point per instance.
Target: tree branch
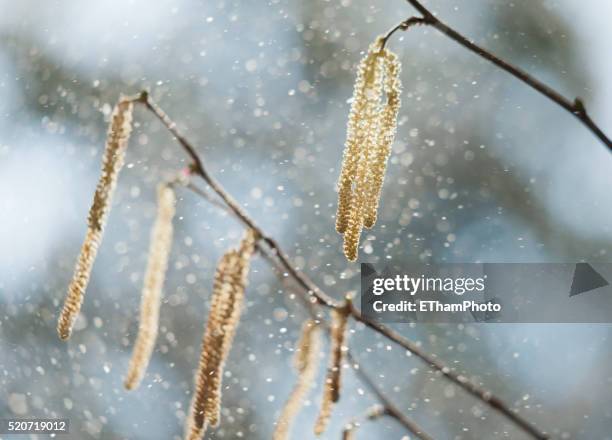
(472, 388)
(403, 26)
(389, 407)
(575, 107)
(317, 295)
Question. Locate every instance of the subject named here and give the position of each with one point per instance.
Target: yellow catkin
(306, 361)
(331, 389)
(226, 305)
(386, 135)
(364, 96)
(114, 154)
(159, 249)
(370, 133)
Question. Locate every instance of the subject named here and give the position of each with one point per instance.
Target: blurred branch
(318, 296)
(372, 413)
(575, 107)
(389, 408)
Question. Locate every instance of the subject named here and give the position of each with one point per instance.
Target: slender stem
(404, 25)
(316, 293)
(215, 185)
(472, 388)
(390, 408)
(575, 107)
(422, 9)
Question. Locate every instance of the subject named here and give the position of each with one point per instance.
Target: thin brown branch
(208, 197)
(215, 186)
(575, 107)
(471, 387)
(317, 295)
(403, 26)
(389, 407)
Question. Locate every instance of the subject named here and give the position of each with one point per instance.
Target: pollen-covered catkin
(159, 249)
(112, 162)
(385, 136)
(306, 361)
(331, 388)
(224, 316)
(370, 133)
(365, 93)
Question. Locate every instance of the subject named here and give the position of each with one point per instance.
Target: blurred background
(483, 169)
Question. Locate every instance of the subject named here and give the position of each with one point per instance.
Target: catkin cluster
(370, 132)
(331, 388)
(157, 264)
(227, 298)
(306, 362)
(112, 162)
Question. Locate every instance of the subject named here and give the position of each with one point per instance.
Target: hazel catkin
(112, 162)
(331, 387)
(306, 362)
(370, 132)
(159, 249)
(223, 318)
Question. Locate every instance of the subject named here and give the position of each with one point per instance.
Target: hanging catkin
(386, 134)
(159, 249)
(227, 298)
(331, 387)
(306, 361)
(370, 133)
(365, 97)
(114, 153)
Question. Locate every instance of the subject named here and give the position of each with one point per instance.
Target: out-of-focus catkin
(370, 132)
(331, 388)
(348, 433)
(159, 249)
(223, 318)
(112, 162)
(306, 361)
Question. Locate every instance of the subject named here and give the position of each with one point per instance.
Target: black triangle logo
(585, 279)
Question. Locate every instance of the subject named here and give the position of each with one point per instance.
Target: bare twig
(403, 26)
(389, 407)
(317, 295)
(471, 387)
(199, 170)
(575, 107)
